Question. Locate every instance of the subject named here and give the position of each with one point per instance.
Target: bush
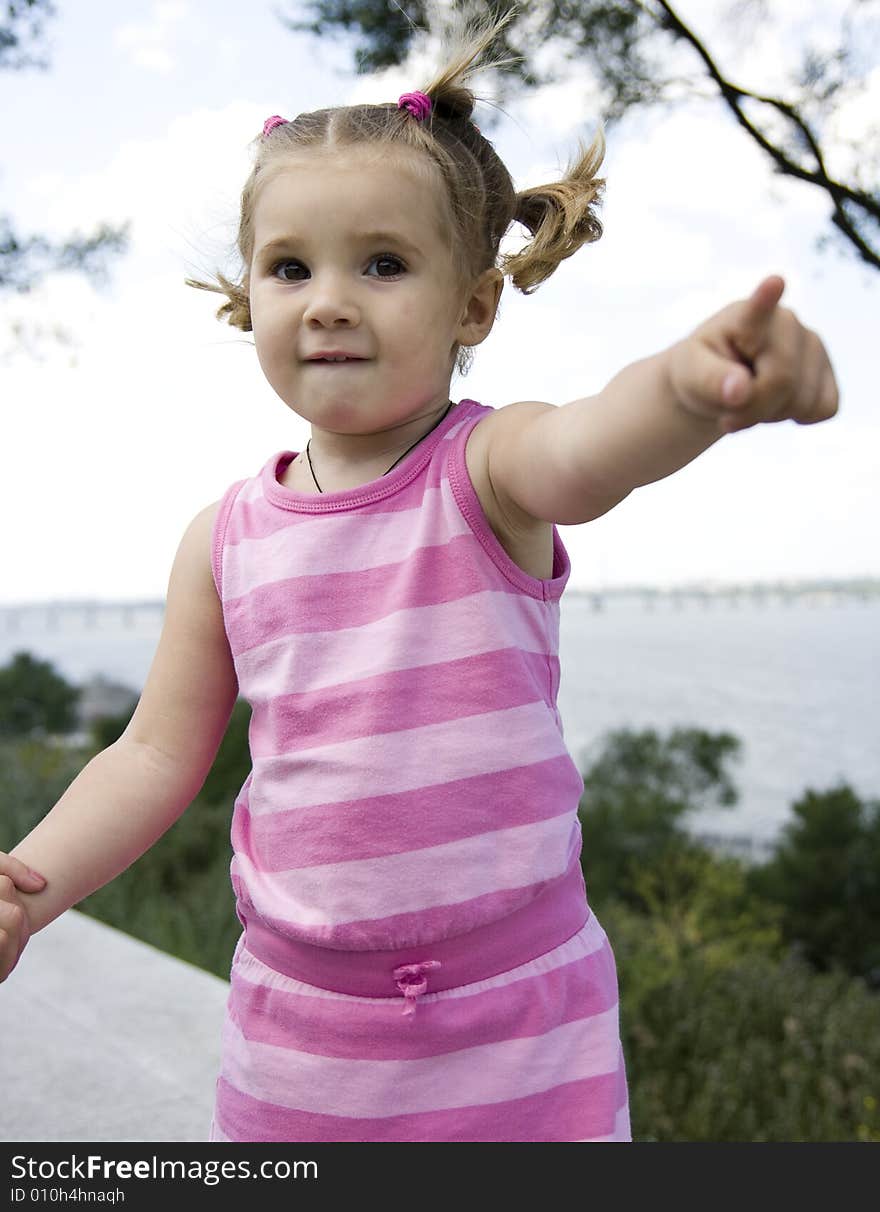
(34, 699)
(637, 795)
(756, 1049)
(825, 879)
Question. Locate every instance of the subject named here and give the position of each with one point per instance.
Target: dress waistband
(556, 913)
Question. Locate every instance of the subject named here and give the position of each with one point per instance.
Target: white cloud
(146, 42)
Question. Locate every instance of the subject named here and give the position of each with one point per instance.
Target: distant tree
(35, 699)
(642, 53)
(25, 260)
(638, 793)
(825, 877)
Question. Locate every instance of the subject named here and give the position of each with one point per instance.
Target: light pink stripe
(579, 1110)
(577, 981)
(405, 760)
(468, 626)
(420, 927)
(389, 533)
(472, 1076)
(473, 685)
(408, 820)
(415, 881)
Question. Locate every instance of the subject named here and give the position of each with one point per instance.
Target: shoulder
(490, 439)
(526, 539)
(198, 534)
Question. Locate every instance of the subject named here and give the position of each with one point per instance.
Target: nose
(330, 301)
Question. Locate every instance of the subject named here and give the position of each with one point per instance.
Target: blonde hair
(481, 201)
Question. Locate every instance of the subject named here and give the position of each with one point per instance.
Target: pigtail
(237, 308)
(464, 40)
(560, 216)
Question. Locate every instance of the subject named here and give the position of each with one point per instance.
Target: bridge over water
(98, 613)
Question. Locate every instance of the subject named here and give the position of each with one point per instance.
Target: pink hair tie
(270, 124)
(418, 104)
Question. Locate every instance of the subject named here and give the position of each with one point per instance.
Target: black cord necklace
(396, 461)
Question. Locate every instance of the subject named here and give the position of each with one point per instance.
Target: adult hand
(15, 926)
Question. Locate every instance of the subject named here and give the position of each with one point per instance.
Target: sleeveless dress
(418, 960)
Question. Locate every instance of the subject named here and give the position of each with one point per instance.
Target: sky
(147, 408)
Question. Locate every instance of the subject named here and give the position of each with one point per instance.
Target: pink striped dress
(418, 960)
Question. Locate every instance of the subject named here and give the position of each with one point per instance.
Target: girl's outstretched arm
(134, 790)
(751, 362)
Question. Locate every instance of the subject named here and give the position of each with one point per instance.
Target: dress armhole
(219, 533)
(549, 590)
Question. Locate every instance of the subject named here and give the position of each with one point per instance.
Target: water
(796, 682)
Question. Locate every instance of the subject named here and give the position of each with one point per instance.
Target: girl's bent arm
(134, 790)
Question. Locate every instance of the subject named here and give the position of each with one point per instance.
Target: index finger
(751, 323)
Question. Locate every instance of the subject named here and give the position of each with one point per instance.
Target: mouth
(334, 361)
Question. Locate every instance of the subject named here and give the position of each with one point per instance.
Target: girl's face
(349, 257)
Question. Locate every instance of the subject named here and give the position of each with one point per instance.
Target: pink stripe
(330, 601)
(288, 1016)
(489, 681)
(573, 1111)
(375, 825)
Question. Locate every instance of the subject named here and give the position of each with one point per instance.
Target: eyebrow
(362, 237)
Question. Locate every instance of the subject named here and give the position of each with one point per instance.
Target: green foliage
(825, 877)
(33, 775)
(637, 795)
(233, 761)
(741, 1047)
(34, 699)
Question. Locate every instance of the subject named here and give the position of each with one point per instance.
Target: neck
(344, 454)
(360, 478)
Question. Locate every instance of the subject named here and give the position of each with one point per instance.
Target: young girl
(418, 961)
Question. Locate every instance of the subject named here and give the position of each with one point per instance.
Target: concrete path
(104, 1038)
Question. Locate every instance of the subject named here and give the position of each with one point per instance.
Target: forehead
(349, 190)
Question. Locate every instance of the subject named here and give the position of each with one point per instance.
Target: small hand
(754, 361)
(14, 922)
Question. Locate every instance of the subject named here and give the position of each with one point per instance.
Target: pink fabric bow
(411, 981)
(270, 124)
(418, 104)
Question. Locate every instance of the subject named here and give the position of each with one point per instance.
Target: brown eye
(281, 265)
(386, 259)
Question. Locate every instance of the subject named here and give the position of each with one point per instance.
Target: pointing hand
(754, 361)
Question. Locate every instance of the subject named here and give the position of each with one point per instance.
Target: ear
(480, 307)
